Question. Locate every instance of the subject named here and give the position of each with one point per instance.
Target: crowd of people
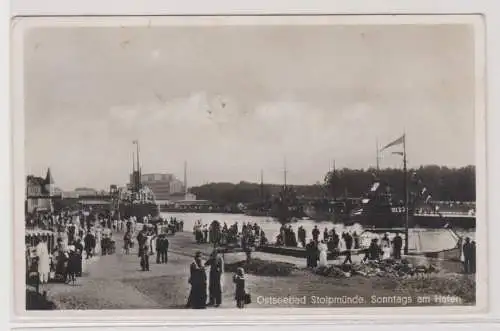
(150, 239)
(332, 240)
(224, 235)
(83, 234)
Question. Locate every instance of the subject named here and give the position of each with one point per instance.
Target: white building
(162, 185)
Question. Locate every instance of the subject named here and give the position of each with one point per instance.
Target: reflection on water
(270, 226)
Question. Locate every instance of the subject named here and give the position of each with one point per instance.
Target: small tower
(49, 188)
(49, 183)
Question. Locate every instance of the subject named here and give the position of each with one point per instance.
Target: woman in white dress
(98, 237)
(386, 247)
(42, 252)
(322, 248)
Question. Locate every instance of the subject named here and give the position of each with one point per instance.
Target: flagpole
(284, 171)
(405, 171)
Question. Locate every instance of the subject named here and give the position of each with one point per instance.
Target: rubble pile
(385, 268)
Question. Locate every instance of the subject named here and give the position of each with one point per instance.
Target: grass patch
(262, 267)
(462, 286)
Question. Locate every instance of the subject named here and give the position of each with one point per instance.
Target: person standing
(164, 249)
(79, 253)
(240, 292)
(355, 237)
(198, 280)
(145, 258)
(373, 252)
(473, 257)
(42, 253)
(216, 264)
(127, 242)
(348, 246)
(325, 235)
(397, 244)
(315, 233)
(385, 245)
(141, 240)
(301, 233)
(323, 255)
(205, 234)
(72, 267)
(159, 249)
(467, 251)
(309, 253)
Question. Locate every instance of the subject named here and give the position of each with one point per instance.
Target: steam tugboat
(137, 200)
(380, 208)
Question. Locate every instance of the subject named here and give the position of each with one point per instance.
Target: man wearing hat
(216, 264)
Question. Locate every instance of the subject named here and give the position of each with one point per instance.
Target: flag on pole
(398, 153)
(398, 141)
(135, 142)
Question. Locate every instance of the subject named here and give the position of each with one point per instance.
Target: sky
(235, 100)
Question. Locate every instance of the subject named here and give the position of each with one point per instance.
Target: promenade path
(116, 282)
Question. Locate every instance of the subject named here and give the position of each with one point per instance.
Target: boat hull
(139, 211)
(422, 221)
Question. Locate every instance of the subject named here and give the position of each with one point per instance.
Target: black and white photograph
(246, 163)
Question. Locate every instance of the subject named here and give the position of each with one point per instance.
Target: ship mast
(262, 185)
(185, 181)
(138, 165)
(406, 215)
(378, 156)
(137, 171)
(284, 171)
(133, 163)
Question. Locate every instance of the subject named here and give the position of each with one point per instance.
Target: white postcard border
(314, 315)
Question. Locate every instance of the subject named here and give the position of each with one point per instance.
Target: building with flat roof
(163, 185)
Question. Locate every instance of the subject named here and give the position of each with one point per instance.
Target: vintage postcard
(246, 164)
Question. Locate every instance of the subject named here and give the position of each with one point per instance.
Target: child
(72, 267)
(240, 294)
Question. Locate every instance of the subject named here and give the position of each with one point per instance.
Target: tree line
(442, 183)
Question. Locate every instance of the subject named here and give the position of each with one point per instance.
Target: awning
(35, 233)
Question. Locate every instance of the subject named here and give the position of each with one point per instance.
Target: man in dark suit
(216, 264)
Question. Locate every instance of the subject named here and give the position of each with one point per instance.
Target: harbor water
(271, 227)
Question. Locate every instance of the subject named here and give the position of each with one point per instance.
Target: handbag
(247, 299)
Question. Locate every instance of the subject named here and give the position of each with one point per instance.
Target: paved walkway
(116, 281)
